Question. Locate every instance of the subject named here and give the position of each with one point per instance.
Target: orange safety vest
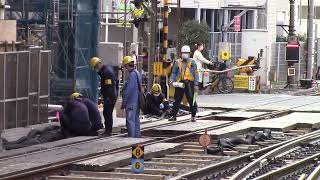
(185, 75)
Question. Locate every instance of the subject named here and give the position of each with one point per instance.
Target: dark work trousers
(107, 114)
(188, 90)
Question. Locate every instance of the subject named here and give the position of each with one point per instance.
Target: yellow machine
(247, 70)
(255, 62)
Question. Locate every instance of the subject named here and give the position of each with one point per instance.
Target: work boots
(173, 118)
(193, 119)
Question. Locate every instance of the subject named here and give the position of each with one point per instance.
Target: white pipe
(52, 107)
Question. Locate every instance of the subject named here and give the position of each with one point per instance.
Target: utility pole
(225, 22)
(152, 42)
(125, 29)
(292, 39)
(310, 39)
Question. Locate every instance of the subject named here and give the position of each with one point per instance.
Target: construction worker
(156, 102)
(185, 78)
(200, 59)
(109, 91)
(74, 119)
(130, 98)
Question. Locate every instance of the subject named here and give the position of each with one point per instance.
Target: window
(304, 12)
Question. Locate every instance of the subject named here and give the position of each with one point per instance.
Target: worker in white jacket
(200, 59)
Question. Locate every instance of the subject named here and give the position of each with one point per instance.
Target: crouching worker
(156, 103)
(80, 117)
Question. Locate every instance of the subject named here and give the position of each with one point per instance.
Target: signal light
(293, 51)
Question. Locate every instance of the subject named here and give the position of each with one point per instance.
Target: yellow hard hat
(75, 95)
(94, 61)
(156, 88)
(127, 60)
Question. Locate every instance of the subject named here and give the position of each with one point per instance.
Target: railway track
(290, 161)
(164, 161)
(179, 165)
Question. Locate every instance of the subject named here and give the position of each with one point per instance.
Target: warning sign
(137, 151)
(205, 140)
(137, 165)
(241, 82)
(252, 83)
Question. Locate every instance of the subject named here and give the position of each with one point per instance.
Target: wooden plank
(174, 164)
(193, 147)
(182, 160)
(117, 175)
(150, 171)
(189, 156)
(8, 30)
(109, 162)
(81, 178)
(231, 153)
(55, 156)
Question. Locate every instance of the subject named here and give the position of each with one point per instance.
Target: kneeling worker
(80, 117)
(185, 79)
(156, 103)
(109, 91)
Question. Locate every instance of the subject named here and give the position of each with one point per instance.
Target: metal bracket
(282, 26)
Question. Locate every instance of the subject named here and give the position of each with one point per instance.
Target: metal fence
(279, 66)
(24, 88)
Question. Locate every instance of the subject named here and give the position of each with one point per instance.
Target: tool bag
(142, 96)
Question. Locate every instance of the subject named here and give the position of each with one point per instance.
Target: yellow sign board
(241, 82)
(138, 152)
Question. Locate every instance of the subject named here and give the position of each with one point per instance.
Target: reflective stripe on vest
(185, 75)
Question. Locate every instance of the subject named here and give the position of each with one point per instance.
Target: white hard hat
(185, 49)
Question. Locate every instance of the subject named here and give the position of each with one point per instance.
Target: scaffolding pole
(310, 39)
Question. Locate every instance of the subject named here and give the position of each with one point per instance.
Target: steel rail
(206, 171)
(315, 174)
(184, 120)
(256, 164)
(49, 167)
(276, 174)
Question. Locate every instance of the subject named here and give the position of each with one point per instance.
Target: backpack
(142, 97)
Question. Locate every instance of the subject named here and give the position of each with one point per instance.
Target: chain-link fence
(279, 65)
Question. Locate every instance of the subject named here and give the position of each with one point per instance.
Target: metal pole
(165, 30)
(292, 19)
(225, 23)
(310, 39)
(152, 43)
(2, 2)
(212, 34)
(125, 29)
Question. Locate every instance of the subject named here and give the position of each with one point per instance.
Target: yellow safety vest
(185, 74)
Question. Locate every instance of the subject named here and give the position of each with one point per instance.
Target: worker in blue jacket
(109, 91)
(157, 104)
(74, 119)
(186, 79)
(80, 117)
(130, 98)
